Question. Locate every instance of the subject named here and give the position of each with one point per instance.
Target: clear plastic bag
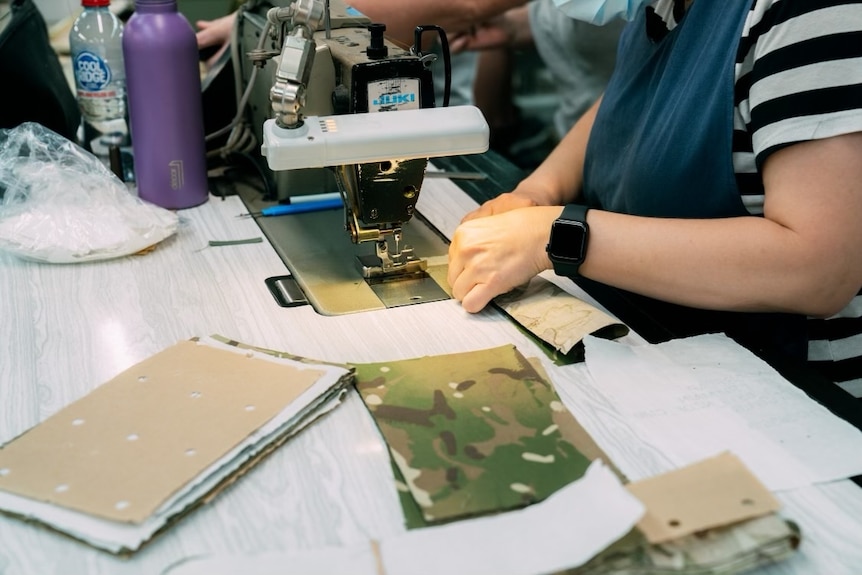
(60, 204)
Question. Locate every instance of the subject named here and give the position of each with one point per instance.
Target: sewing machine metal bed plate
(322, 259)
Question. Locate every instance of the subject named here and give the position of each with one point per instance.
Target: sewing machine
(325, 87)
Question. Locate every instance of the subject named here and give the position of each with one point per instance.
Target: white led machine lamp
(323, 141)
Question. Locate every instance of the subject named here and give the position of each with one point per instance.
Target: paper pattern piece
(472, 433)
(694, 398)
(562, 532)
(711, 493)
(116, 465)
(557, 317)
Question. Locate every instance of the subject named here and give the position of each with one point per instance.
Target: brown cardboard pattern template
(121, 451)
(711, 493)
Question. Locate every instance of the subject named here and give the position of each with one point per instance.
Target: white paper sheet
(564, 531)
(692, 398)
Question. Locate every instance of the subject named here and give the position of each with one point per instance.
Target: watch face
(569, 241)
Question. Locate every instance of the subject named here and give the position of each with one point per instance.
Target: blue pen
(297, 208)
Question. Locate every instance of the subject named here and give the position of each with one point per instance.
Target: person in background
(579, 57)
(717, 181)
(213, 36)
(400, 19)
(483, 35)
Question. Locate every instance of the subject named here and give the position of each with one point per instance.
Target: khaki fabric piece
(556, 317)
(472, 433)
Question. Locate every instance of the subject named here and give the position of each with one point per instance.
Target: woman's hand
(492, 255)
(502, 203)
(508, 30)
(214, 34)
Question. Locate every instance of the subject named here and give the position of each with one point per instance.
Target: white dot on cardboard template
(78, 421)
(62, 488)
(121, 505)
(4, 471)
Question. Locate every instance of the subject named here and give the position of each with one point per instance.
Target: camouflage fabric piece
(728, 550)
(413, 518)
(472, 433)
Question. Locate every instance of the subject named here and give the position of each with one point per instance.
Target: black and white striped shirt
(798, 78)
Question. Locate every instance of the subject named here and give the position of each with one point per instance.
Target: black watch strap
(567, 246)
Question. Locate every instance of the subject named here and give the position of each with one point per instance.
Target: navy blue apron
(661, 146)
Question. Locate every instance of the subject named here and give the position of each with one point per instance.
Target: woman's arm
(556, 182)
(401, 18)
(802, 257)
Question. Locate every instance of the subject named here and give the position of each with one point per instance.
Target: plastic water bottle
(95, 41)
(165, 105)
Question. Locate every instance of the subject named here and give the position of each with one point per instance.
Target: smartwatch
(567, 246)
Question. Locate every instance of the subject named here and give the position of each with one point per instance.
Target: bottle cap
(95, 3)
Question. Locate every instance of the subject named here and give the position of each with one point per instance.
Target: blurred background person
(577, 56)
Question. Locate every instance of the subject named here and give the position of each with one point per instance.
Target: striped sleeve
(800, 72)
(835, 347)
(799, 78)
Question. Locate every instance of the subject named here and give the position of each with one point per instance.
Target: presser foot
(405, 284)
(373, 268)
(396, 263)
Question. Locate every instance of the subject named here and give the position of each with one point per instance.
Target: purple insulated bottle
(165, 105)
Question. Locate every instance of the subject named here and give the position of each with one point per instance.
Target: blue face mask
(600, 12)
